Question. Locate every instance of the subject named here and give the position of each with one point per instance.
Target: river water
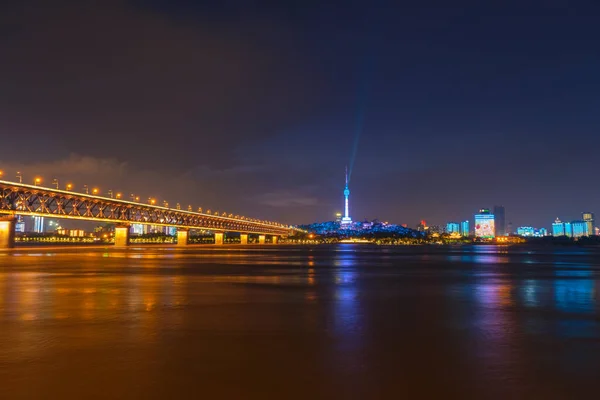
(345, 321)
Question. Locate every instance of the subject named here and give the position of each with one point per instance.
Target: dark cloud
(251, 107)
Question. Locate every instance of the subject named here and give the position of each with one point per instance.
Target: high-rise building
(20, 224)
(499, 220)
(452, 227)
(464, 228)
(560, 228)
(484, 224)
(588, 217)
(579, 228)
(38, 224)
(346, 219)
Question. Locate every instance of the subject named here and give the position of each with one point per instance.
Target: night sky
(253, 107)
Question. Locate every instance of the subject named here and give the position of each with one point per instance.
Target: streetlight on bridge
(20, 177)
(86, 189)
(69, 186)
(37, 181)
(119, 195)
(110, 193)
(55, 182)
(95, 191)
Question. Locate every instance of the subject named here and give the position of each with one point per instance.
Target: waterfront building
(560, 228)
(579, 228)
(527, 231)
(588, 217)
(452, 227)
(38, 225)
(137, 229)
(20, 224)
(484, 224)
(499, 220)
(464, 228)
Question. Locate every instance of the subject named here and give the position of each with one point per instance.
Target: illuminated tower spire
(346, 219)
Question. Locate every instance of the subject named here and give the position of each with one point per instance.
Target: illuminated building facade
(452, 227)
(588, 217)
(528, 231)
(137, 229)
(484, 224)
(579, 228)
(464, 228)
(560, 228)
(20, 224)
(38, 224)
(499, 220)
(346, 219)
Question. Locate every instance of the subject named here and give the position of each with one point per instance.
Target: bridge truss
(20, 199)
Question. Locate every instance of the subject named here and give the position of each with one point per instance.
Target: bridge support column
(7, 232)
(274, 239)
(182, 237)
(122, 235)
(261, 239)
(244, 238)
(219, 237)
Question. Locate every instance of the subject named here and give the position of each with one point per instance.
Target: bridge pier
(122, 235)
(182, 237)
(219, 236)
(7, 232)
(261, 239)
(244, 238)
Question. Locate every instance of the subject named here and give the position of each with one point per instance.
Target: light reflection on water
(347, 312)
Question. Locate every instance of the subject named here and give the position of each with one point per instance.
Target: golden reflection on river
(345, 321)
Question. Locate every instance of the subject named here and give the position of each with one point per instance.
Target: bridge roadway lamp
(55, 182)
(19, 177)
(69, 186)
(95, 191)
(37, 181)
(1, 173)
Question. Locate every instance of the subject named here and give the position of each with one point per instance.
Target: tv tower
(346, 219)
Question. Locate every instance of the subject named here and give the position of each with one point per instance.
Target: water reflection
(344, 316)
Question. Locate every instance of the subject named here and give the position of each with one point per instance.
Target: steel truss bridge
(21, 199)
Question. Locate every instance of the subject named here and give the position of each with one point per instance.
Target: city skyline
(191, 103)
